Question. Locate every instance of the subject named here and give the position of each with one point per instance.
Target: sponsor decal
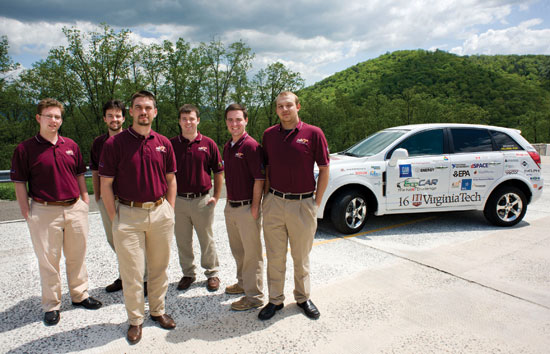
(424, 169)
(203, 148)
(535, 178)
(509, 147)
(415, 183)
(522, 154)
(511, 172)
(532, 170)
(239, 155)
(445, 158)
(461, 173)
(428, 199)
(460, 165)
(375, 167)
(375, 174)
(535, 186)
(405, 171)
(511, 160)
(417, 200)
(477, 185)
(70, 152)
(455, 184)
(303, 141)
(478, 157)
(483, 172)
(524, 163)
(361, 173)
(479, 165)
(483, 179)
(441, 167)
(494, 163)
(161, 148)
(466, 185)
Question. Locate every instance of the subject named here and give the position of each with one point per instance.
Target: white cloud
(314, 37)
(521, 39)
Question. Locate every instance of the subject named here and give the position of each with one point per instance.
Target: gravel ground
(421, 283)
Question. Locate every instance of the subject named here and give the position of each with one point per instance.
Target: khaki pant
(139, 234)
(108, 226)
(246, 246)
(288, 221)
(195, 213)
(56, 229)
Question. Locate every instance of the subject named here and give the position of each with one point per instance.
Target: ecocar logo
(414, 182)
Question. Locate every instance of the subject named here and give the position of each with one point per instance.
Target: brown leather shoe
(213, 284)
(185, 283)
(165, 321)
(115, 286)
(134, 334)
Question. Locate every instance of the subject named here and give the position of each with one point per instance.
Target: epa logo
(461, 174)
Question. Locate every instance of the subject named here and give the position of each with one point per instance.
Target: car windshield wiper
(349, 154)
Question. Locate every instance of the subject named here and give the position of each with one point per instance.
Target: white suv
(433, 167)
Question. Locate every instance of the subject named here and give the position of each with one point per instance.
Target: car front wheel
(349, 212)
(506, 206)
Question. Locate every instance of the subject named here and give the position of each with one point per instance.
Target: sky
(314, 37)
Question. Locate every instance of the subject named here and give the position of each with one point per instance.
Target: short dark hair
(188, 108)
(236, 107)
(49, 102)
(143, 93)
(114, 104)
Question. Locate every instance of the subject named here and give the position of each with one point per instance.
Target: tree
(224, 65)
(271, 81)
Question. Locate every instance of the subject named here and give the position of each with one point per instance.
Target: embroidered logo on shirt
(302, 141)
(239, 155)
(161, 148)
(202, 148)
(69, 152)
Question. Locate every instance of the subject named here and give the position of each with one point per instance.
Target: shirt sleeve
(171, 166)
(19, 171)
(255, 162)
(108, 160)
(216, 163)
(321, 149)
(80, 166)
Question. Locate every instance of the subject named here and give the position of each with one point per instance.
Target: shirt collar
(139, 136)
(197, 139)
(43, 140)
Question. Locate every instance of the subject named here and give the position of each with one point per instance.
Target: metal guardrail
(5, 175)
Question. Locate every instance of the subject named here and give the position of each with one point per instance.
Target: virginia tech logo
(70, 152)
(202, 148)
(239, 155)
(302, 141)
(161, 148)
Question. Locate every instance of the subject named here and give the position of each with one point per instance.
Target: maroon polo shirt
(95, 154)
(243, 165)
(196, 160)
(138, 164)
(50, 170)
(291, 156)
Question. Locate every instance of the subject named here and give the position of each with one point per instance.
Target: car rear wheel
(506, 206)
(349, 212)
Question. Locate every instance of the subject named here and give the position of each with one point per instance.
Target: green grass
(7, 191)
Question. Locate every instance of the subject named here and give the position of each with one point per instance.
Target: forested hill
(408, 87)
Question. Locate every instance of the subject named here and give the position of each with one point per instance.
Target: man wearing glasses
(138, 166)
(57, 216)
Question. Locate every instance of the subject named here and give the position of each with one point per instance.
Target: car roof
(417, 127)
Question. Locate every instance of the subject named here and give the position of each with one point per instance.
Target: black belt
(143, 205)
(239, 203)
(67, 202)
(192, 195)
(291, 196)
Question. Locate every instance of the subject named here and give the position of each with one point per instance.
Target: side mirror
(399, 154)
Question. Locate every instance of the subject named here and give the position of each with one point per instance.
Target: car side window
(471, 140)
(428, 142)
(504, 142)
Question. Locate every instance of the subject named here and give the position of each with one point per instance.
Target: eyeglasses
(50, 116)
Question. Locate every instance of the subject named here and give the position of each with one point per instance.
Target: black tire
(506, 206)
(349, 212)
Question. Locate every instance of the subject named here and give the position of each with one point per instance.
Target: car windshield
(373, 144)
